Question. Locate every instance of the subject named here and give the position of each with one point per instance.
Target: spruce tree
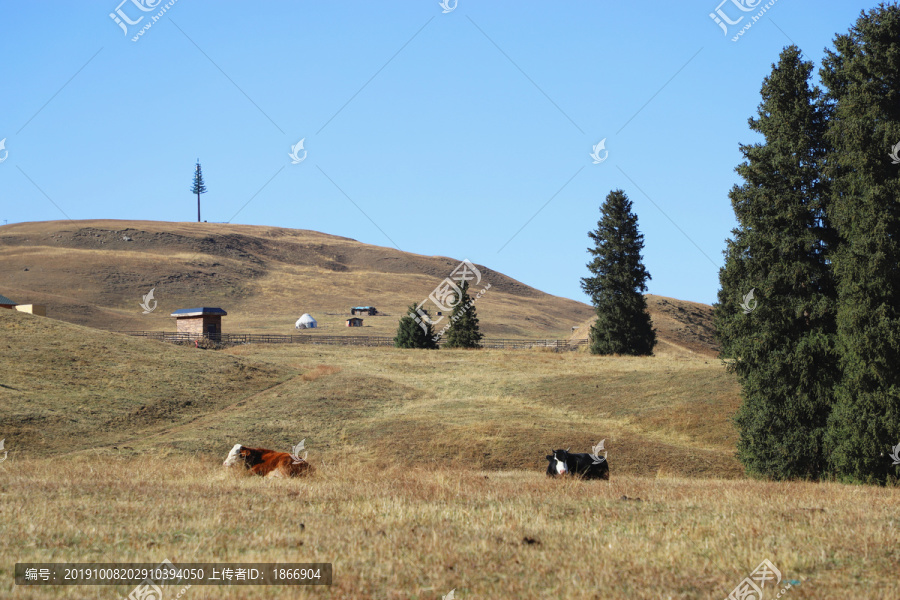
(781, 341)
(198, 187)
(410, 334)
(862, 79)
(464, 331)
(618, 282)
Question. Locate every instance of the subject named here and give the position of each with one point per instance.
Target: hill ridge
(95, 272)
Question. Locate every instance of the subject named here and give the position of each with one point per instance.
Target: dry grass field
(67, 388)
(430, 470)
(397, 532)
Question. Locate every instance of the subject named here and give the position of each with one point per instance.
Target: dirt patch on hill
(687, 325)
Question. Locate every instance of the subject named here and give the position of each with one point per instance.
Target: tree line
(818, 246)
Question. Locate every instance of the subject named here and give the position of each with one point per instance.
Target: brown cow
(268, 463)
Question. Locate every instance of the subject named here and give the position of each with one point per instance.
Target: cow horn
(567, 449)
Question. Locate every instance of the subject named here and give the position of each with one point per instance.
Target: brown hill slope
(96, 272)
(679, 324)
(64, 387)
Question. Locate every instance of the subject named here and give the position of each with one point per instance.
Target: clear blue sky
(438, 133)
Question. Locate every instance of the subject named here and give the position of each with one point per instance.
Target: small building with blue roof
(6, 302)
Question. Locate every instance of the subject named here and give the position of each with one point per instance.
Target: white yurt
(305, 322)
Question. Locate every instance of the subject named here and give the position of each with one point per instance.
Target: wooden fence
(344, 340)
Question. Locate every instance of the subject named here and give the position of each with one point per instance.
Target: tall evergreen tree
(781, 341)
(464, 331)
(410, 334)
(198, 187)
(862, 78)
(618, 282)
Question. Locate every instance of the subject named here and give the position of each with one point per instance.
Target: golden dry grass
(430, 472)
(68, 389)
(418, 532)
(265, 277)
(319, 371)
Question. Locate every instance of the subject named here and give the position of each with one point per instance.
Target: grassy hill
(65, 388)
(266, 277)
(679, 324)
(96, 272)
(430, 472)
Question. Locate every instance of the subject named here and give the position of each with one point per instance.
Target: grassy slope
(67, 387)
(679, 324)
(64, 387)
(265, 277)
(430, 472)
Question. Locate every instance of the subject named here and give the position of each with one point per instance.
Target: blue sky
(465, 134)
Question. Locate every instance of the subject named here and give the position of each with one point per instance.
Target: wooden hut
(364, 310)
(199, 322)
(354, 322)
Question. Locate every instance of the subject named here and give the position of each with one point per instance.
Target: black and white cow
(563, 462)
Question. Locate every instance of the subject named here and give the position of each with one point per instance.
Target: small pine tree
(198, 187)
(464, 331)
(411, 334)
(619, 280)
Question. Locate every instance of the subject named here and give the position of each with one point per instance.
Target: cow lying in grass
(586, 466)
(268, 463)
